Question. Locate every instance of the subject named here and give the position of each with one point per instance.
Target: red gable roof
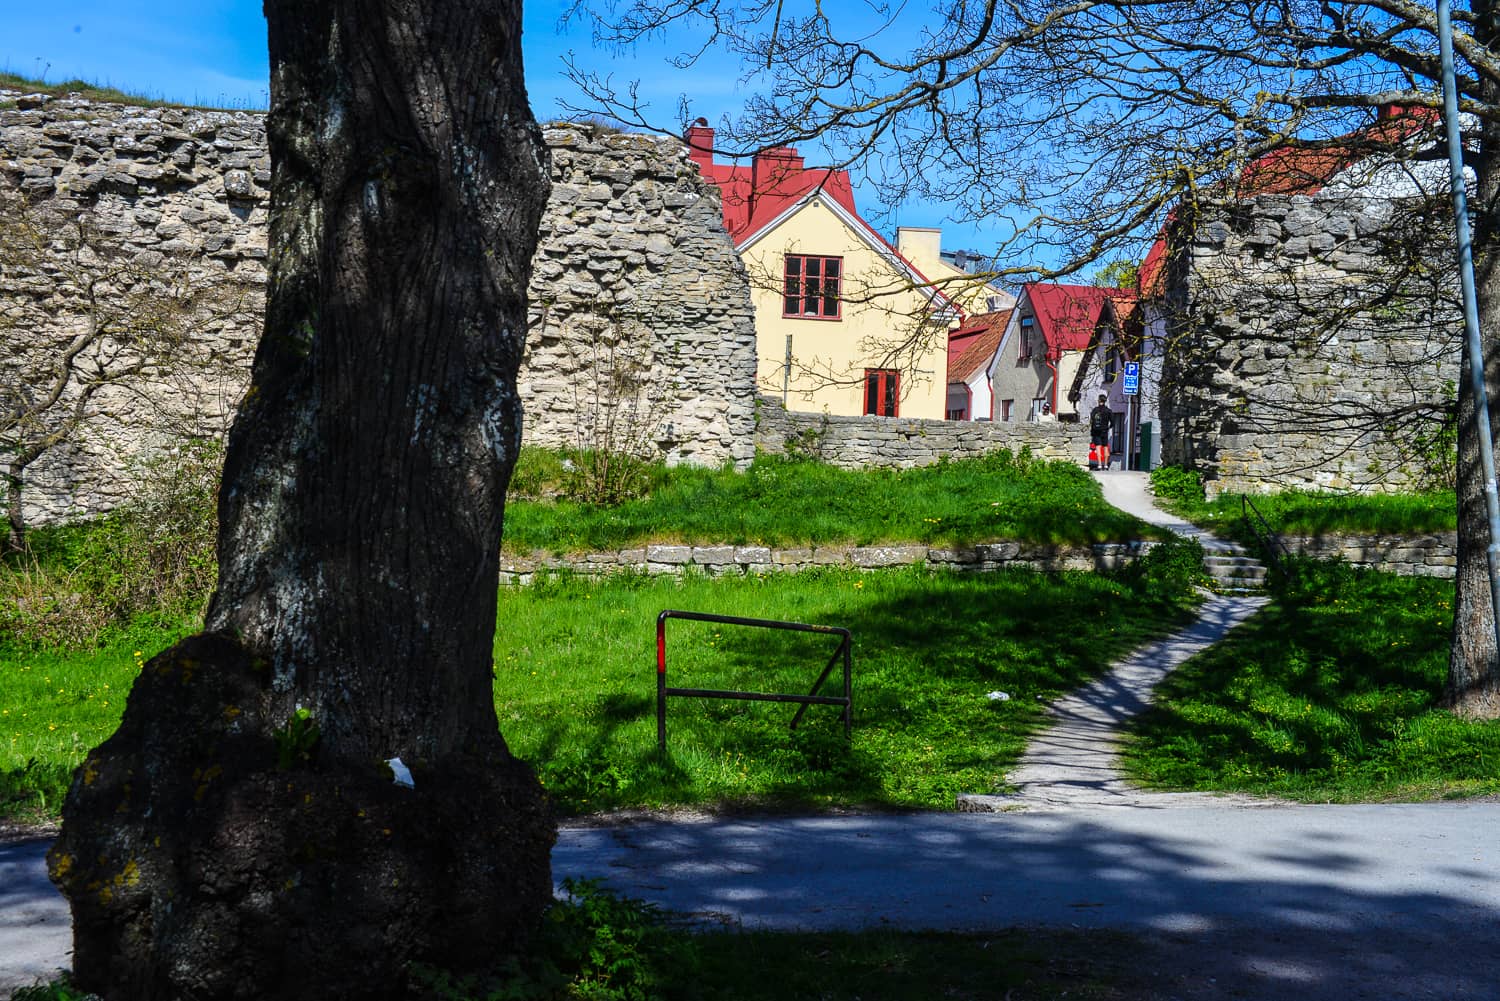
(753, 197)
(1151, 279)
(776, 179)
(1068, 314)
(1303, 170)
(971, 346)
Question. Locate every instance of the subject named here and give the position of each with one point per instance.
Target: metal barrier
(811, 698)
(1270, 542)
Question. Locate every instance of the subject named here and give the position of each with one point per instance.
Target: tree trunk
(242, 835)
(1473, 687)
(15, 514)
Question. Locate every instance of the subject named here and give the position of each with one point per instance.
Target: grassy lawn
(1309, 513)
(1328, 695)
(575, 686)
(780, 502)
(576, 664)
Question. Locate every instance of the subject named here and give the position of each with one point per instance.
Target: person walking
(1101, 425)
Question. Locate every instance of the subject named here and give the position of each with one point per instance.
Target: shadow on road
(1337, 902)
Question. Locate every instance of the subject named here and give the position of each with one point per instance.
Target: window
(1111, 362)
(812, 286)
(960, 399)
(882, 391)
(1028, 334)
(1005, 408)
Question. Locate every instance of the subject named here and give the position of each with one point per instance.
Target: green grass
(55, 705)
(782, 502)
(103, 93)
(1308, 513)
(575, 687)
(1330, 694)
(575, 673)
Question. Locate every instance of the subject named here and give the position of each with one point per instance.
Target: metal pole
(1471, 302)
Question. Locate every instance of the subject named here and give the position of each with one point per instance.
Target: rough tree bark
(1473, 684)
(241, 835)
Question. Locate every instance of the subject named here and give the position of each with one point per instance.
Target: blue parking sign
(1132, 378)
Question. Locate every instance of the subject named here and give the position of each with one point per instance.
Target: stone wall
(642, 334)
(1410, 556)
(738, 561)
(172, 208)
(1314, 343)
(1421, 556)
(855, 442)
(636, 288)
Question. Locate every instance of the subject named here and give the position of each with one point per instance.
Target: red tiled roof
(1304, 170)
(975, 350)
(1068, 314)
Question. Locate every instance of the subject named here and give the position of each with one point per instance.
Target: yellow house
(843, 323)
(923, 247)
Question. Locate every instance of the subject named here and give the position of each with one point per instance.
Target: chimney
(700, 142)
(771, 167)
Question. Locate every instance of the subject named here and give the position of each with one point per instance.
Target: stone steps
(1233, 571)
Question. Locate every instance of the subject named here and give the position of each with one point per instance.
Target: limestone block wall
(740, 561)
(855, 442)
(171, 198)
(1420, 556)
(1313, 342)
(641, 333)
(1410, 556)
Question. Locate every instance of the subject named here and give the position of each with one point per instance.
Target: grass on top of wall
(106, 94)
(1330, 694)
(791, 502)
(1306, 512)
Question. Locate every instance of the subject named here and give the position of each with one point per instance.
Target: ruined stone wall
(858, 442)
(152, 201)
(1314, 343)
(641, 331)
(642, 334)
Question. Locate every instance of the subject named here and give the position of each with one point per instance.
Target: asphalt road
(1377, 901)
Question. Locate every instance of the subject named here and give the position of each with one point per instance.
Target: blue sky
(214, 52)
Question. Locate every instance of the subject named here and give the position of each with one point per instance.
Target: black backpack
(1101, 419)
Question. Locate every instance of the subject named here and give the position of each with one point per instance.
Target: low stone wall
(857, 442)
(1410, 556)
(1420, 556)
(738, 561)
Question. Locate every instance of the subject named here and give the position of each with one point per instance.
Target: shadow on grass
(950, 675)
(1331, 693)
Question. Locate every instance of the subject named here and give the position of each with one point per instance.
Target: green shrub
(155, 555)
(61, 989)
(594, 945)
(1172, 569)
(1175, 484)
(1168, 572)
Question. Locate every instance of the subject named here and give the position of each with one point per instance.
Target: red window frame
(811, 284)
(883, 392)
